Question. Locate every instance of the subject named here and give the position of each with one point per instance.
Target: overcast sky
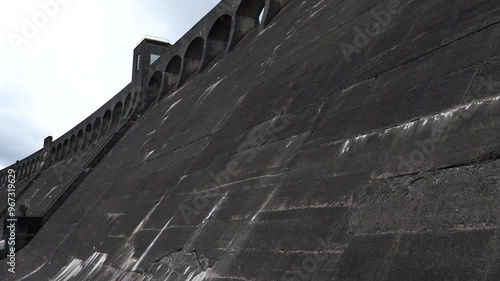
(61, 61)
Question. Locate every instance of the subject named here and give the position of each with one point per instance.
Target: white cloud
(75, 63)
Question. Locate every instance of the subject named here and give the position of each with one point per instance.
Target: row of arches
(92, 132)
(23, 170)
(82, 140)
(197, 56)
(201, 52)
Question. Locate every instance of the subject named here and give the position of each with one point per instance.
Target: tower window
(153, 58)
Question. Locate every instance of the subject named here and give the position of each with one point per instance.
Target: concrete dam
(279, 140)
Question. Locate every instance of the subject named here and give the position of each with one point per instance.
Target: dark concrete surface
(282, 160)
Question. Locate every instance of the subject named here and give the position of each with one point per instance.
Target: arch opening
(249, 15)
(192, 59)
(251, 9)
(275, 7)
(134, 100)
(28, 168)
(117, 114)
(154, 87)
(106, 120)
(23, 171)
(172, 74)
(38, 163)
(96, 129)
(139, 101)
(126, 106)
(52, 156)
(218, 38)
(59, 152)
(65, 148)
(32, 169)
(87, 136)
(72, 144)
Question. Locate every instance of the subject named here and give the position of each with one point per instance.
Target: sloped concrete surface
(283, 161)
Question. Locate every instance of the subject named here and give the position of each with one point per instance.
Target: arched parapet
(164, 69)
(24, 168)
(73, 141)
(186, 57)
(89, 131)
(213, 36)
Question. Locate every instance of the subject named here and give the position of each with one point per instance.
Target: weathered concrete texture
(283, 161)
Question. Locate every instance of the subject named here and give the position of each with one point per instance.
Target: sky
(60, 60)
